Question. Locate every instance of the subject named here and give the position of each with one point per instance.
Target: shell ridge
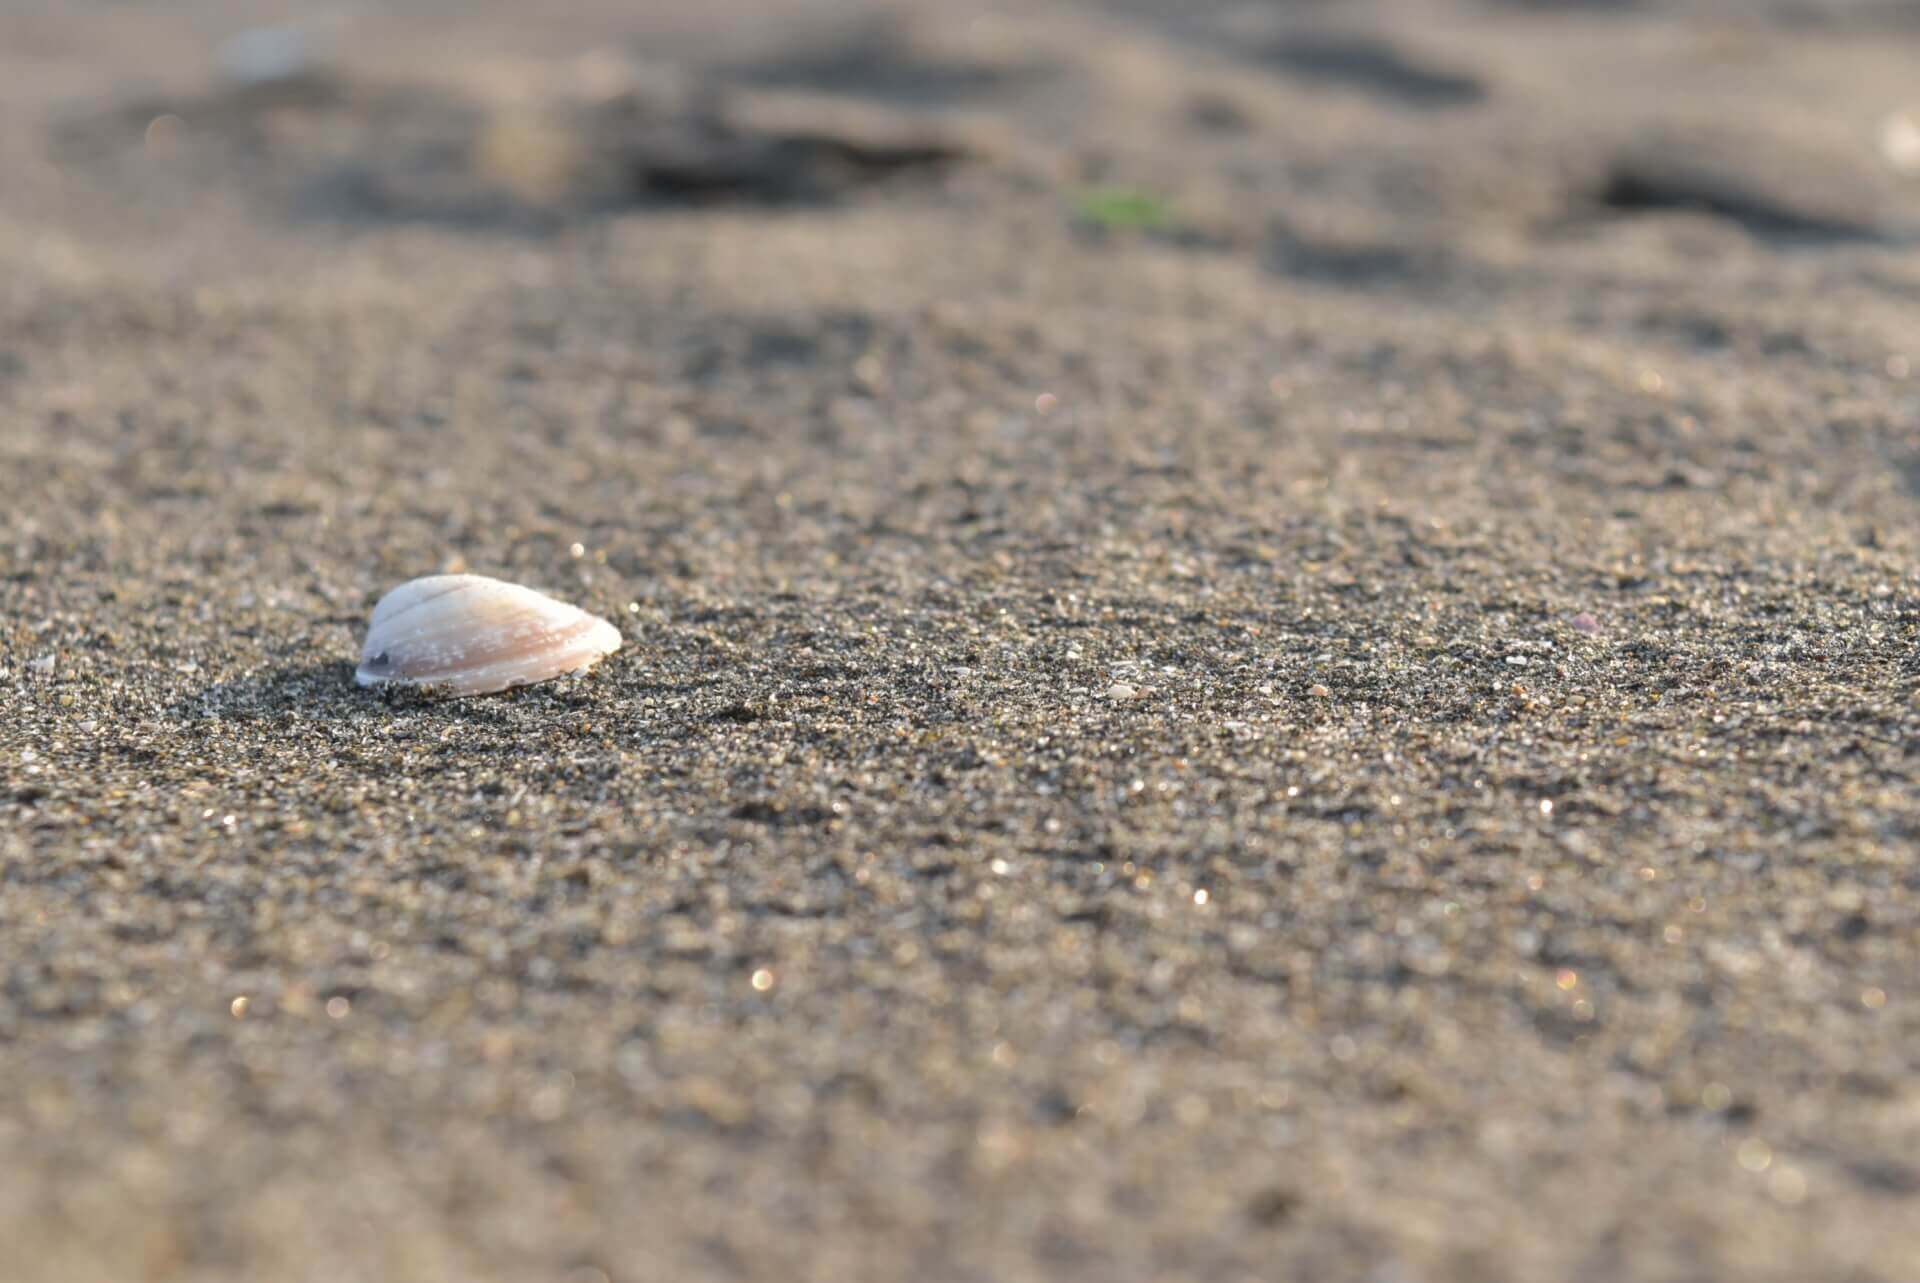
(383, 615)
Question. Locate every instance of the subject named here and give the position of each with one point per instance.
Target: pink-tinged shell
(470, 635)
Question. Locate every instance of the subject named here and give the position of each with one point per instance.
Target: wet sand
(1260, 643)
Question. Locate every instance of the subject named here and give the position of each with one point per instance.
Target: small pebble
(1900, 142)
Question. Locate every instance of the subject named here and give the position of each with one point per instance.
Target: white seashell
(470, 635)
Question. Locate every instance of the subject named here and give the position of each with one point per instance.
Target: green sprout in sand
(1124, 209)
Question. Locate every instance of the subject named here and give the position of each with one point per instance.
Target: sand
(1261, 643)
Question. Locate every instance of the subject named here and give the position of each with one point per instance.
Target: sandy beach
(1261, 642)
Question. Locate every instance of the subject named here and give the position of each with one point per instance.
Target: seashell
(470, 635)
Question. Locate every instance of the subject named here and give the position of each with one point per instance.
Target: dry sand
(1303, 666)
